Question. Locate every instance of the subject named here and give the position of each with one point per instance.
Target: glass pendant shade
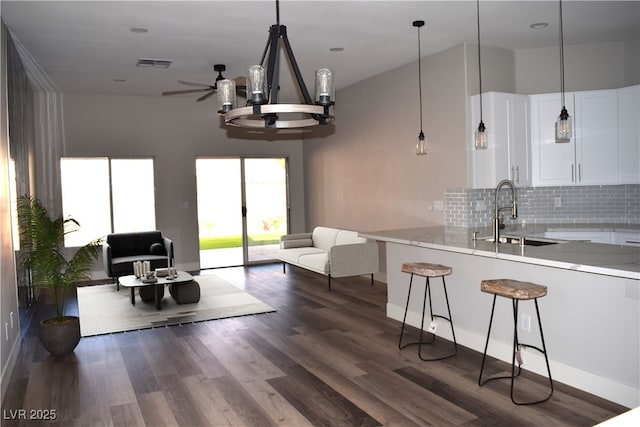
(563, 126)
(227, 94)
(325, 91)
(481, 139)
(256, 84)
(421, 144)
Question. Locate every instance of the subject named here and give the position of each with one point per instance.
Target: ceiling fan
(241, 87)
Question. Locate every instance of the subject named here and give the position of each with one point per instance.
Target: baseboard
(7, 369)
(584, 380)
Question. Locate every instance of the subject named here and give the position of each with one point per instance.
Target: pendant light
(481, 142)
(421, 143)
(563, 123)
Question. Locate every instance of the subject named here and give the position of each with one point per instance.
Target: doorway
(243, 209)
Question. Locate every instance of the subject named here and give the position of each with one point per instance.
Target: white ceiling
(84, 45)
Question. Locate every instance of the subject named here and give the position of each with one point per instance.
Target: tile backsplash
(595, 204)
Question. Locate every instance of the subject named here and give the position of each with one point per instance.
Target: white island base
(591, 321)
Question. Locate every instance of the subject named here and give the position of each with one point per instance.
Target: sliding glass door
(242, 209)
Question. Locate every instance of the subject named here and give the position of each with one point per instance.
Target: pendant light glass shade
(563, 126)
(421, 143)
(256, 84)
(563, 123)
(227, 94)
(481, 138)
(325, 92)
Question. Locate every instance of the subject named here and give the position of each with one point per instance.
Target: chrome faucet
(497, 209)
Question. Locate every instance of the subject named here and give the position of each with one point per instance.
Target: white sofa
(330, 251)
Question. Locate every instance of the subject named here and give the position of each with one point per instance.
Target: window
(107, 195)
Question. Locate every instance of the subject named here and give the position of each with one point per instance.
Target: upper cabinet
(591, 157)
(629, 134)
(506, 117)
(552, 164)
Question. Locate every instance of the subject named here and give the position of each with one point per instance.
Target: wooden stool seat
(426, 269)
(515, 289)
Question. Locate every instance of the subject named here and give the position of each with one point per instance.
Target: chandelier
(262, 110)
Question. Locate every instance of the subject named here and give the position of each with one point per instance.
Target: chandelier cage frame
(263, 112)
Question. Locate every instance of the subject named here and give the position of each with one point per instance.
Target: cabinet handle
(580, 172)
(518, 174)
(572, 174)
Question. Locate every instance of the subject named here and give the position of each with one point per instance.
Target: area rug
(104, 310)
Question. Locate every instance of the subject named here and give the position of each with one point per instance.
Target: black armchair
(121, 250)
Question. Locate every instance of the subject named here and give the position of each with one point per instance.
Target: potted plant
(42, 251)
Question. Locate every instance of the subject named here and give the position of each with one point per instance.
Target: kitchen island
(591, 315)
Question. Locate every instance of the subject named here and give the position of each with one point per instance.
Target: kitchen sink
(528, 241)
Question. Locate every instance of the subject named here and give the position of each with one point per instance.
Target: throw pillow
(157, 249)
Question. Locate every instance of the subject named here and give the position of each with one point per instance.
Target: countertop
(598, 258)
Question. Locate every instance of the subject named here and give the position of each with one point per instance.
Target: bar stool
(516, 291)
(427, 270)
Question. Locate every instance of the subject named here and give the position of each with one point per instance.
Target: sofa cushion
(318, 262)
(296, 243)
(346, 237)
(324, 237)
(132, 244)
(293, 255)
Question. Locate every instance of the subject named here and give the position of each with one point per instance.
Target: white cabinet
(629, 134)
(506, 117)
(552, 163)
(596, 127)
(592, 155)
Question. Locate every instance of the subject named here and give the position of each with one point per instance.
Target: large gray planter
(60, 338)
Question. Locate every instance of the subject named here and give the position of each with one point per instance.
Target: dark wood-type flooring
(324, 358)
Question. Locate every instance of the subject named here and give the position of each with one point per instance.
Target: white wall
(175, 131)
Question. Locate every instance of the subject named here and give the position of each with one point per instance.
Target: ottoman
(185, 293)
(147, 293)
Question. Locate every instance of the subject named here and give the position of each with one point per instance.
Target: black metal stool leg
(486, 346)
(542, 350)
(516, 348)
(406, 309)
(449, 319)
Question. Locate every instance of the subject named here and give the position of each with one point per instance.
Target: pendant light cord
(278, 12)
(561, 57)
(479, 61)
(420, 78)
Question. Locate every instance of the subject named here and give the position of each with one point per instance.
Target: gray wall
(367, 176)
(175, 131)
(10, 343)
(592, 66)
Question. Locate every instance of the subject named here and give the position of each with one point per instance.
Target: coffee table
(133, 282)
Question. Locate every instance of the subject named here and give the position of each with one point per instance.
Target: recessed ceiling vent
(154, 63)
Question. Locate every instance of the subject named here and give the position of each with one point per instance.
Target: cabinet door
(629, 134)
(506, 117)
(551, 163)
(519, 140)
(596, 127)
(490, 165)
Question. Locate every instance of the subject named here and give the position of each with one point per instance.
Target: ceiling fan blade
(195, 84)
(177, 92)
(205, 96)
